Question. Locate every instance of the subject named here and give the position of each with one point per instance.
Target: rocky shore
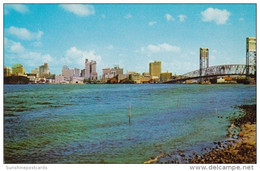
(244, 150)
(241, 150)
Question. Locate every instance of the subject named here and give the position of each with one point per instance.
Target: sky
(128, 35)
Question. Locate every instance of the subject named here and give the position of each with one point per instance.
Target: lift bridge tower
(250, 56)
(204, 61)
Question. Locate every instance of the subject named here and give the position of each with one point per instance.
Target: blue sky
(129, 35)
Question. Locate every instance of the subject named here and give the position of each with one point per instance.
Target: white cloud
(74, 56)
(37, 44)
(152, 23)
(23, 33)
(17, 7)
(79, 9)
(169, 17)
(182, 17)
(103, 16)
(161, 48)
(13, 47)
(241, 19)
(15, 51)
(215, 15)
(128, 16)
(47, 58)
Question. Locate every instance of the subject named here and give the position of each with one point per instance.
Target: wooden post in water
(129, 115)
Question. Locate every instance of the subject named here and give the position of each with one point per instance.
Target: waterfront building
(109, 73)
(220, 80)
(155, 69)
(67, 73)
(7, 71)
(82, 74)
(145, 78)
(44, 70)
(76, 72)
(165, 76)
(135, 77)
(59, 79)
(32, 77)
(90, 70)
(122, 77)
(77, 80)
(35, 71)
(18, 70)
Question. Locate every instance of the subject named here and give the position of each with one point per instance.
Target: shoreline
(241, 149)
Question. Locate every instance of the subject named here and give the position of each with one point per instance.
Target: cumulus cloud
(152, 23)
(182, 17)
(12, 46)
(169, 17)
(75, 56)
(37, 44)
(161, 48)
(16, 52)
(16, 7)
(79, 9)
(128, 16)
(24, 34)
(215, 15)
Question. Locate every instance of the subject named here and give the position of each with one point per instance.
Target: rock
(240, 134)
(182, 154)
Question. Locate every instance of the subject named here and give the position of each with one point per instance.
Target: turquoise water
(89, 123)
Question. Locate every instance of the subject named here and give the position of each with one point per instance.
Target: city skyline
(126, 35)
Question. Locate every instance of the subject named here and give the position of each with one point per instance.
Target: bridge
(204, 72)
(216, 71)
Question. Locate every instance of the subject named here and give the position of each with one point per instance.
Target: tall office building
(87, 69)
(90, 70)
(82, 74)
(44, 70)
(76, 72)
(112, 72)
(67, 73)
(7, 71)
(155, 69)
(35, 71)
(18, 69)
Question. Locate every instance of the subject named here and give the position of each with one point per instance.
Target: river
(89, 123)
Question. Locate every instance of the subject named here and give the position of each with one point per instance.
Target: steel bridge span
(214, 71)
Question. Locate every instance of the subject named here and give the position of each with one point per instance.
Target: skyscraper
(90, 70)
(155, 69)
(35, 71)
(18, 69)
(76, 72)
(87, 69)
(7, 71)
(67, 73)
(44, 70)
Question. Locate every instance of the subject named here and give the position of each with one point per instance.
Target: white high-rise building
(90, 70)
(67, 73)
(76, 72)
(87, 69)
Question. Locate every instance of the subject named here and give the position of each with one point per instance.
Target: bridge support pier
(204, 62)
(250, 57)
